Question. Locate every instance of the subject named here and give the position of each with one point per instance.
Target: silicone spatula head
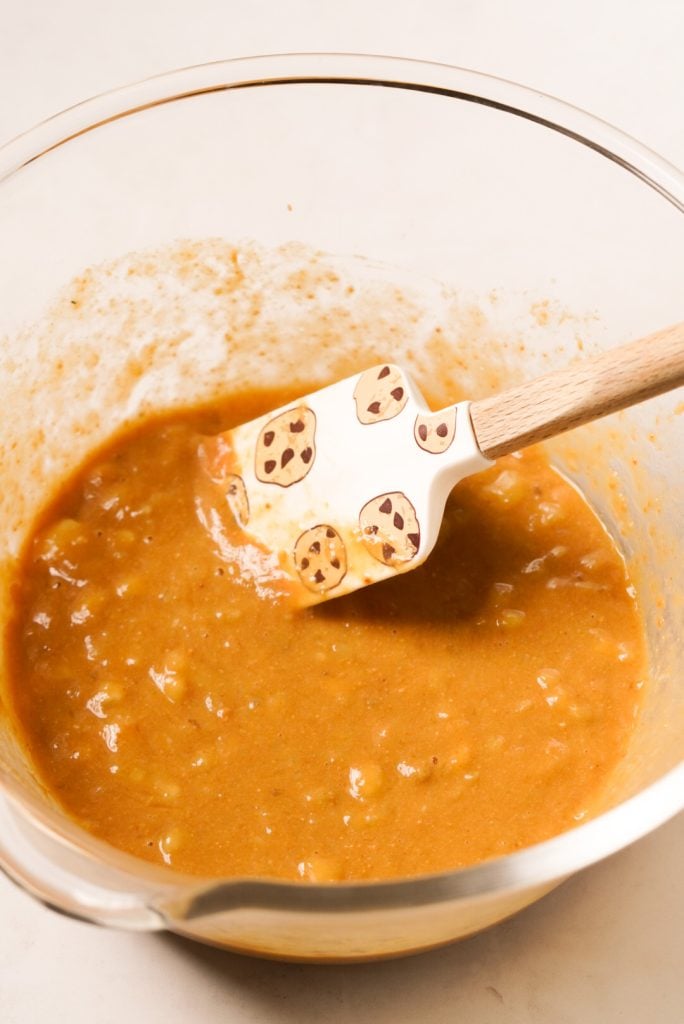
(345, 487)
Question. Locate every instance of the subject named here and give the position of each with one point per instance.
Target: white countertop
(606, 947)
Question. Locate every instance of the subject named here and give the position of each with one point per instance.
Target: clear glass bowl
(442, 173)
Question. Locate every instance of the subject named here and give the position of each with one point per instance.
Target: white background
(608, 946)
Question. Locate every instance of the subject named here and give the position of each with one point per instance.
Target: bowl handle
(66, 879)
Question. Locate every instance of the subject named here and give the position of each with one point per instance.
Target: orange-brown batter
(458, 712)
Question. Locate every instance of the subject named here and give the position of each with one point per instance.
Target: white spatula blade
(345, 487)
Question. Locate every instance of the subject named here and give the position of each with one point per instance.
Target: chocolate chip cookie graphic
(236, 496)
(285, 449)
(389, 528)
(380, 394)
(320, 558)
(436, 432)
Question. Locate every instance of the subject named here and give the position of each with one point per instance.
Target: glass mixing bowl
(573, 231)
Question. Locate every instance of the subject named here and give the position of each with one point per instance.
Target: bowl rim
(537, 865)
(346, 69)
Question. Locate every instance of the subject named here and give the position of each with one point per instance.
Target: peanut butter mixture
(186, 713)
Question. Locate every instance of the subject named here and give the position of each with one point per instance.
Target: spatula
(347, 486)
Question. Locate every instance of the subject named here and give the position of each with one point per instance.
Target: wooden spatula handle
(580, 393)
